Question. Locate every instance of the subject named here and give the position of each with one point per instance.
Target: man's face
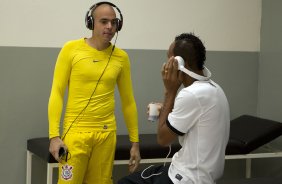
(105, 22)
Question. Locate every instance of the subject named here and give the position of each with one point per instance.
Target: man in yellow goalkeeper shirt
(90, 68)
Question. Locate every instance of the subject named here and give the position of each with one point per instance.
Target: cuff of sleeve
(53, 135)
(134, 138)
(173, 129)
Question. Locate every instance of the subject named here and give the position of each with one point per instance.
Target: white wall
(224, 25)
(25, 78)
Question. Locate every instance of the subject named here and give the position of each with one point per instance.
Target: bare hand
(134, 157)
(55, 144)
(171, 76)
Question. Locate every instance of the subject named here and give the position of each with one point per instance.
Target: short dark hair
(191, 49)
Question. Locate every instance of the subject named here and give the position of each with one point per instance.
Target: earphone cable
(93, 90)
(156, 174)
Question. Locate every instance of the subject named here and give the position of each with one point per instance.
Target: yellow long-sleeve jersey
(85, 70)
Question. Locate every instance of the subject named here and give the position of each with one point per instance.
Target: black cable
(93, 90)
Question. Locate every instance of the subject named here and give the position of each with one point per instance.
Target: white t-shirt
(201, 118)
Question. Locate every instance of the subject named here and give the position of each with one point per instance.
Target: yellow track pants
(90, 158)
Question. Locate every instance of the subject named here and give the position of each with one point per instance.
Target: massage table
(247, 133)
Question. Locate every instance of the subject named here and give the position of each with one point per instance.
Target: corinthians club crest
(67, 172)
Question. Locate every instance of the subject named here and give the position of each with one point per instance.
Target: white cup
(153, 112)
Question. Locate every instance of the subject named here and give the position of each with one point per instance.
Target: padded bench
(273, 180)
(247, 133)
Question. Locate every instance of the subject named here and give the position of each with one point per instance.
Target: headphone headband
(89, 21)
(207, 73)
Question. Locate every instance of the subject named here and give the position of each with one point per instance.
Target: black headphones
(89, 21)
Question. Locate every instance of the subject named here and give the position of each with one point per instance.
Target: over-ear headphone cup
(90, 23)
(119, 25)
(180, 61)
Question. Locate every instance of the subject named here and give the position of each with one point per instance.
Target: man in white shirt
(198, 116)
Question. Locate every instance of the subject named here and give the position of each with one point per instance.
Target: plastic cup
(153, 112)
